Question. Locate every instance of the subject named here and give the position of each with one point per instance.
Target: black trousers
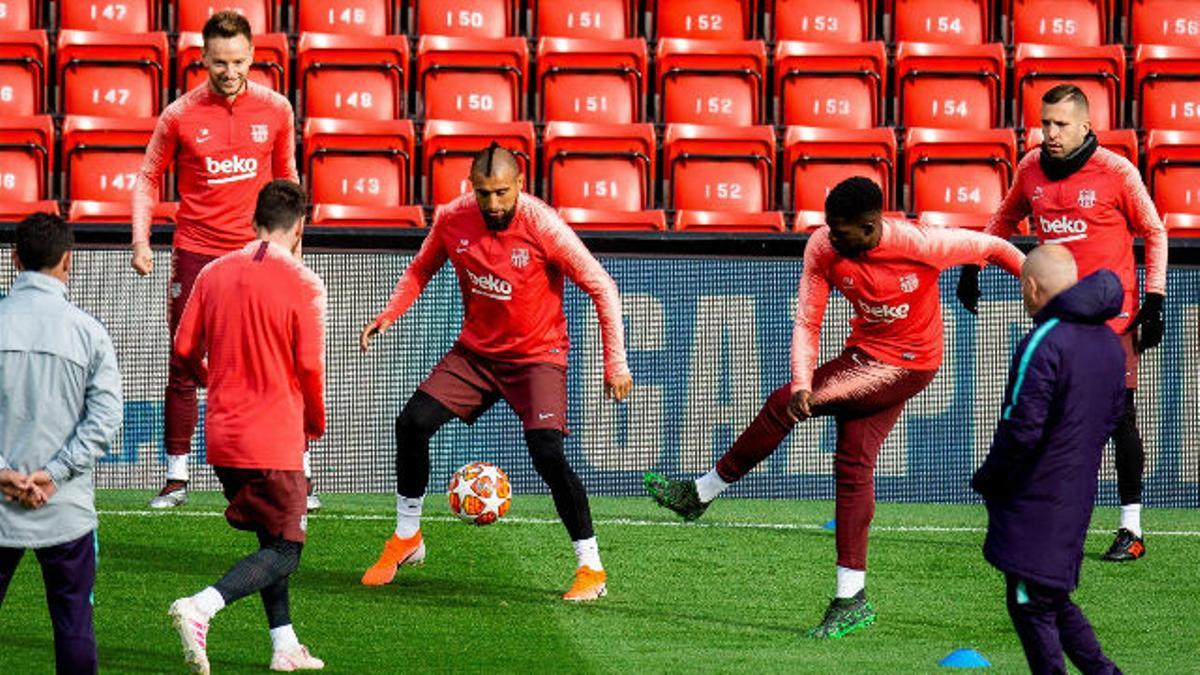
(1049, 623)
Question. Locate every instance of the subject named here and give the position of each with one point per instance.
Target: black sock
(1131, 456)
(570, 497)
(422, 416)
(272, 562)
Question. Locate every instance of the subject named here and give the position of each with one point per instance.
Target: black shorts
(272, 501)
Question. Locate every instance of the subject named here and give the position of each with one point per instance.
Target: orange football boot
(589, 585)
(397, 552)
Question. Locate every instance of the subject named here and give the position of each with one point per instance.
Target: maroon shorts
(272, 501)
(468, 384)
(1131, 360)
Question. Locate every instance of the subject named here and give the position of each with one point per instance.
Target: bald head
(1048, 271)
(495, 161)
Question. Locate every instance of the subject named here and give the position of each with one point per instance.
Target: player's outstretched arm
(190, 341)
(1142, 215)
(424, 265)
(148, 186)
(812, 295)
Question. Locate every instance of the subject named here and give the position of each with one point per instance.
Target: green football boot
(678, 495)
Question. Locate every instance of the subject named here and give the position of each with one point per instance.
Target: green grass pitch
(732, 593)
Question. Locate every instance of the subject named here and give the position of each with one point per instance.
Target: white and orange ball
(480, 493)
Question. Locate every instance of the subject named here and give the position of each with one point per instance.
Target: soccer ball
(480, 493)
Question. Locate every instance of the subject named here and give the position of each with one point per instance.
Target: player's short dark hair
(42, 239)
(853, 197)
(1065, 92)
(280, 204)
(493, 159)
(227, 24)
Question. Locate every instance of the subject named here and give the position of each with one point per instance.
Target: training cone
(831, 525)
(964, 658)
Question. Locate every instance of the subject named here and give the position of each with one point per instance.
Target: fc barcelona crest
(259, 133)
(909, 283)
(1087, 199)
(520, 257)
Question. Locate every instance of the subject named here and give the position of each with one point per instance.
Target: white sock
(177, 467)
(710, 485)
(408, 515)
(587, 552)
(1131, 518)
(850, 582)
(209, 602)
(307, 465)
(283, 639)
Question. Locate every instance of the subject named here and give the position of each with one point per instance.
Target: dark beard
(499, 224)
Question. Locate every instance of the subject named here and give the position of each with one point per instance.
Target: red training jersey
(259, 315)
(893, 289)
(1095, 212)
(512, 283)
(224, 153)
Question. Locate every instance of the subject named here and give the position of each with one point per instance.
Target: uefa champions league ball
(480, 493)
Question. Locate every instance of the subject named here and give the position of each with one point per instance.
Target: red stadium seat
(111, 75)
(591, 80)
(950, 86)
(190, 15)
(466, 18)
(26, 158)
(11, 212)
(449, 147)
(584, 19)
(359, 162)
(1098, 71)
(16, 15)
(815, 160)
(1124, 142)
(967, 221)
(23, 60)
(1182, 224)
(1164, 22)
(1166, 83)
(593, 219)
(343, 215)
(1173, 170)
(719, 168)
(599, 166)
(1060, 22)
(830, 85)
(707, 82)
(729, 221)
(270, 67)
(823, 20)
(108, 16)
(704, 19)
(472, 79)
(808, 221)
(352, 77)
(958, 171)
(958, 22)
(344, 17)
(102, 156)
(87, 211)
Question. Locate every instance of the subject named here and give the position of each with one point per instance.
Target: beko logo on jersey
(883, 313)
(230, 170)
(490, 285)
(1066, 228)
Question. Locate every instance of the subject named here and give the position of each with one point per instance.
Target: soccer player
(227, 138)
(1065, 394)
(888, 270)
(510, 252)
(258, 314)
(1092, 201)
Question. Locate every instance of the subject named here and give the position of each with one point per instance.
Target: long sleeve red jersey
(893, 289)
(512, 283)
(1095, 212)
(259, 316)
(224, 152)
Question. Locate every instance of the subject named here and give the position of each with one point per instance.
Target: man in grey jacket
(60, 408)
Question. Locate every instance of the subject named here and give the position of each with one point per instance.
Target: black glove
(1148, 323)
(968, 288)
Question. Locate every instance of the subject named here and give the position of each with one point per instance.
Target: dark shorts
(271, 501)
(469, 384)
(1131, 360)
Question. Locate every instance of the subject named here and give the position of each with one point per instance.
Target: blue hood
(1095, 299)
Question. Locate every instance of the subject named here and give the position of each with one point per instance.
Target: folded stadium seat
(359, 162)
(111, 74)
(102, 156)
(1164, 22)
(729, 221)
(23, 61)
(270, 67)
(704, 19)
(958, 171)
(87, 211)
(967, 221)
(710, 82)
(352, 77)
(822, 20)
(1080, 23)
(471, 79)
(11, 212)
(594, 219)
(957, 22)
(26, 158)
(20, 15)
(585, 19)
(710, 168)
(1098, 71)
(1182, 224)
(343, 215)
(1166, 86)
(190, 15)
(108, 16)
(466, 18)
(344, 17)
(599, 166)
(1124, 142)
(808, 221)
(1173, 170)
(830, 85)
(815, 160)
(591, 80)
(950, 86)
(448, 147)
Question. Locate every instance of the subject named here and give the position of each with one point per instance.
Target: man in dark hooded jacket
(1065, 395)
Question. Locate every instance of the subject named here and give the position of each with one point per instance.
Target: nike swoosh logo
(545, 416)
(203, 139)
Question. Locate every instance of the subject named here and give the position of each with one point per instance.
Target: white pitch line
(631, 522)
